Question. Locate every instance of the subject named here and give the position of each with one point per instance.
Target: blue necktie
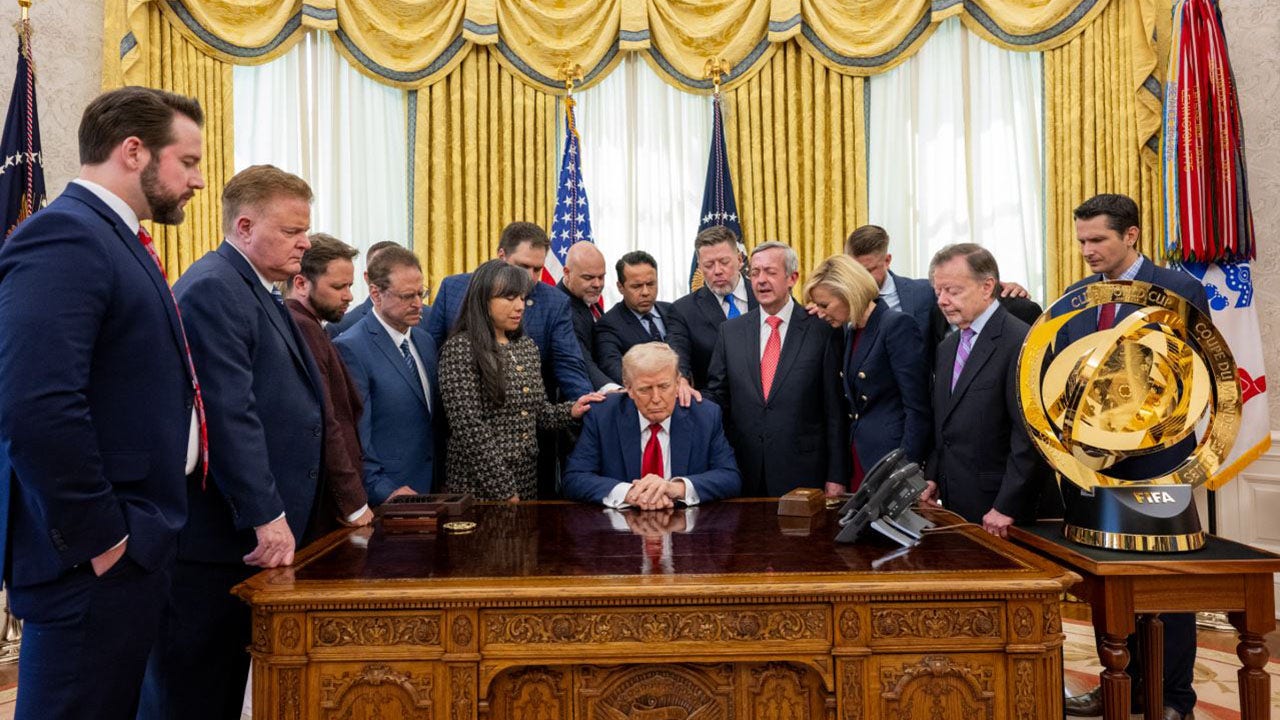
(652, 327)
(413, 366)
(275, 295)
(733, 307)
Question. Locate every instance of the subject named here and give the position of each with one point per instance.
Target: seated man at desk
(668, 453)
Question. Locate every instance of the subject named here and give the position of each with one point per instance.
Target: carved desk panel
(558, 611)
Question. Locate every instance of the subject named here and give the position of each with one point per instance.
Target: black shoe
(1090, 704)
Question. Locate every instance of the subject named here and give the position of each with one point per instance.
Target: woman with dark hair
(491, 383)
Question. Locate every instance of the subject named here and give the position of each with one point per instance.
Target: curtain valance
(415, 43)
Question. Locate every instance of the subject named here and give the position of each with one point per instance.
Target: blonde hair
(846, 279)
(649, 357)
(254, 186)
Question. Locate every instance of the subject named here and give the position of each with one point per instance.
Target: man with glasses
(393, 364)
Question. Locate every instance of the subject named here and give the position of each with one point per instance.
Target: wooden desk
(557, 610)
(1223, 576)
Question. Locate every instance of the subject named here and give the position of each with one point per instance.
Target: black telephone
(884, 502)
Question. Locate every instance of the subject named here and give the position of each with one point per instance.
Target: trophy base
(1134, 518)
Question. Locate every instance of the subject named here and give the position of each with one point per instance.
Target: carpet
(1215, 674)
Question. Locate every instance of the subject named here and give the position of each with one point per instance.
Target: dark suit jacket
(799, 437)
(1025, 309)
(400, 434)
(355, 314)
(546, 322)
(1157, 463)
(885, 388)
(917, 299)
(583, 327)
(264, 402)
(95, 394)
(343, 468)
(619, 330)
(695, 328)
(982, 457)
(609, 452)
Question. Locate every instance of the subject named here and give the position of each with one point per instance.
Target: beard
(329, 313)
(166, 208)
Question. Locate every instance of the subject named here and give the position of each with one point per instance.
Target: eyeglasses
(421, 295)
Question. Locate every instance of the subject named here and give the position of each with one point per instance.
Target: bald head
(584, 272)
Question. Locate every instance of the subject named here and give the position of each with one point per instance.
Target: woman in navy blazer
(885, 365)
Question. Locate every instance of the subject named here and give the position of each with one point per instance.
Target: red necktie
(651, 464)
(145, 238)
(772, 349)
(595, 311)
(1107, 316)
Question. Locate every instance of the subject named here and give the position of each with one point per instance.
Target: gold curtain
(796, 142)
(484, 156)
(1100, 119)
(166, 59)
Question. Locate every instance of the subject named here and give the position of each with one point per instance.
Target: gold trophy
(1138, 388)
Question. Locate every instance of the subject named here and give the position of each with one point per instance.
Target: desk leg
(1114, 654)
(1257, 620)
(1152, 629)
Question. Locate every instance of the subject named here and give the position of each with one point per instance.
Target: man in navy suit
(546, 321)
(264, 397)
(639, 318)
(393, 363)
(641, 450)
(355, 314)
(983, 465)
(98, 421)
(582, 282)
(1107, 228)
(724, 295)
(775, 375)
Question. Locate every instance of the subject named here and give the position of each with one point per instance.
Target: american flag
(718, 204)
(21, 171)
(572, 221)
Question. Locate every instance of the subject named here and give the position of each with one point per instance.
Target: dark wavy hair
(494, 278)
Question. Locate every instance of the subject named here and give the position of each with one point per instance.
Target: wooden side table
(1224, 576)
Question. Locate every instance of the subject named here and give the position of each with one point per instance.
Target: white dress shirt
(617, 496)
(889, 291)
(766, 331)
(739, 299)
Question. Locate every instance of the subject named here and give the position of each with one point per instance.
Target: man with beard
(724, 295)
(100, 412)
(264, 402)
(393, 362)
(353, 316)
(583, 282)
(322, 292)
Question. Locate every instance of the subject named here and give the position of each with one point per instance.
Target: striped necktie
(962, 354)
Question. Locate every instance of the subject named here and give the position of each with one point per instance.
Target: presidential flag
(572, 221)
(718, 204)
(1208, 222)
(22, 174)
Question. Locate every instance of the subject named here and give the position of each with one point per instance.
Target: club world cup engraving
(1139, 387)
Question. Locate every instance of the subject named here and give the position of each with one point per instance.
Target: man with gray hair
(983, 464)
(775, 375)
(670, 453)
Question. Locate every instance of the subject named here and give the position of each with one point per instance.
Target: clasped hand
(653, 493)
(275, 545)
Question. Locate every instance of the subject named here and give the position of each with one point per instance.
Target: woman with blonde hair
(885, 371)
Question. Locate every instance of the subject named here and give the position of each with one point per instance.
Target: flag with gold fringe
(1208, 224)
(572, 218)
(718, 204)
(22, 189)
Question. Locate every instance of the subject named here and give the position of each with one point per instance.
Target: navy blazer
(264, 401)
(982, 456)
(696, 326)
(620, 330)
(886, 389)
(95, 394)
(398, 431)
(608, 451)
(546, 322)
(583, 327)
(1163, 462)
(355, 314)
(917, 299)
(799, 437)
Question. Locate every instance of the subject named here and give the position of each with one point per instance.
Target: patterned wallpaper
(69, 71)
(1253, 38)
(67, 37)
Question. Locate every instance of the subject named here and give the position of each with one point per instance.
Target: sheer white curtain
(954, 155)
(311, 113)
(644, 162)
